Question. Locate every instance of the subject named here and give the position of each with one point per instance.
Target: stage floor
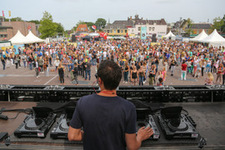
(208, 116)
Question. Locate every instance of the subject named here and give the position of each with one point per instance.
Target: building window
(153, 28)
(3, 35)
(139, 28)
(118, 31)
(125, 31)
(149, 28)
(110, 31)
(114, 31)
(121, 31)
(107, 31)
(3, 30)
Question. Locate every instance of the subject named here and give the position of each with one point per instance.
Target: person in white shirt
(56, 63)
(104, 55)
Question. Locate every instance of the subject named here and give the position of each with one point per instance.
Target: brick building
(198, 27)
(9, 29)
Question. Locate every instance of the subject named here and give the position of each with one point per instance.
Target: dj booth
(182, 117)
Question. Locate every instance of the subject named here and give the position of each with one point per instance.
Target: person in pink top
(164, 74)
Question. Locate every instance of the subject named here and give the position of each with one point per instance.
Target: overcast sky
(69, 12)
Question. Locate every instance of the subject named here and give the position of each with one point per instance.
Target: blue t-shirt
(105, 120)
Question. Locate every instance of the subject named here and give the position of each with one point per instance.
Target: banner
(3, 13)
(9, 13)
(143, 32)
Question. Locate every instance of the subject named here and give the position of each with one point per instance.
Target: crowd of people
(138, 59)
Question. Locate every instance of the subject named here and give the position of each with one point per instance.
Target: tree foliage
(218, 24)
(13, 19)
(60, 28)
(100, 23)
(189, 29)
(47, 27)
(35, 21)
(223, 26)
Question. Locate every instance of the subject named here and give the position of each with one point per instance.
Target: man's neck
(109, 93)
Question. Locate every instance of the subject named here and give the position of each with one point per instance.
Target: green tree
(223, 26)
(16, 19)
(218, 24)
(100, 23)
(90, 24)
(60, 28)
(47, 27)
(35, 21)
(189, 29)
(13, 19)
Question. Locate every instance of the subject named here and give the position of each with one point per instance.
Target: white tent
(214, 39)
(169, 35)
(200, 37)
(18, 39)
(31, 38)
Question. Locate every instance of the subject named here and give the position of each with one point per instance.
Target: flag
(9, 13)
(94, 27)
(3, 13)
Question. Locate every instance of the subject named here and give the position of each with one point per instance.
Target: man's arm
(75, 134)
(134, 140)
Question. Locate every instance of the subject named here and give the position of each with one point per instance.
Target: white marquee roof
(200, 37)
(214, 37)
(19, 38)
(170, 34)
(31, 38)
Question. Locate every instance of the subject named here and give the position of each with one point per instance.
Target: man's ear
(99, 80)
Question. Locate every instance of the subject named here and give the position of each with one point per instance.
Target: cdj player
(177, 125)
(36, 124)
(61, 127)
(150, 122)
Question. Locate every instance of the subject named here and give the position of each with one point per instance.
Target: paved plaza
(24, 76)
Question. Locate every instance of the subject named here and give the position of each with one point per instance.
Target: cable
(93, 86)
(26, 111)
